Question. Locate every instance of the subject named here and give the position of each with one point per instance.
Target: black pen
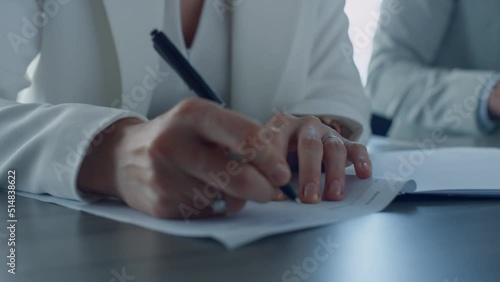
(176, 60)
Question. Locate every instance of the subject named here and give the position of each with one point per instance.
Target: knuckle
(188, 107)
(207, 120)
(312, 120)
(310, 140)
(359, 148)
(280, 121)
(283, 116)
(267, 158)
(334, 145)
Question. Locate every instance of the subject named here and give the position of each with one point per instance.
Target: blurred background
(363, 17)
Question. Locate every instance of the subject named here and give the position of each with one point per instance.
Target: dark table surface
(417, 238)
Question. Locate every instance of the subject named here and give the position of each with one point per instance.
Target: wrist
(494, 103)
(97, 171)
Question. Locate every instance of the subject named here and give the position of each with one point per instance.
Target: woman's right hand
(172, 166)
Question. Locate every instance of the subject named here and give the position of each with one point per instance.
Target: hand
(173, 166)
(307, 137)
(494, 103)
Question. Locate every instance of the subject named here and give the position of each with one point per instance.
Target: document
(451, 171)
(256, 221)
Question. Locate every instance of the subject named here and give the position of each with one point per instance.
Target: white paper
(454, 171)
(256, 221)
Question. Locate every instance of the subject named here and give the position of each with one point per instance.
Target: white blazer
(286, 55)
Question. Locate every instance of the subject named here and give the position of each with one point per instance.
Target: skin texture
(303, 137)
(165, 167)
(494, 103)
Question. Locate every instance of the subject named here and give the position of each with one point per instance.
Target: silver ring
(333, 137)
(219, 206)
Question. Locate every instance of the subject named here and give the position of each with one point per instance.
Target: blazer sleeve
(44, 143)
(402, 81)
(334, 87)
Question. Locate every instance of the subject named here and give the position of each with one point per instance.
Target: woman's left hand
(315, 144)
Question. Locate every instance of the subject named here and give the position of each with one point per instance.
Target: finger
(184, 197)
(283, 125)
(358, 155)
(310, 153)
(285, 141)
(334, 157)
(240, 135)
(187, 208)
(210, 165)
(148, 195)
(279, 195)
(193, 207)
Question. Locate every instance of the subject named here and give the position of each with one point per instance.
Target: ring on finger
(333, 137)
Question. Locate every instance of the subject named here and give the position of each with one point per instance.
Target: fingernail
(311, 192)
(335, 188)
(338, 188)
(280, 173)
(278, 195)
(365, 166)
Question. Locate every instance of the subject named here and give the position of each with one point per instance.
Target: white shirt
(209, 55)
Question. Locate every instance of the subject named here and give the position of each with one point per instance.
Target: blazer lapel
(263, 33)
(131, 22)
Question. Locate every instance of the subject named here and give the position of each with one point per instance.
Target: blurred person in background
(436, 65)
